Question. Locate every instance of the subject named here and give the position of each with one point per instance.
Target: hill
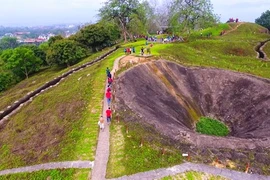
(60, 124)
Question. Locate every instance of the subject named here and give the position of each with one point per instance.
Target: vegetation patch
(56, 174)
(192, 175)
(211, 127)
(60, 124)
(135, 148)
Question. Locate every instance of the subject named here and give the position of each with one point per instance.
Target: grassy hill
(61, 123)
(233, 51)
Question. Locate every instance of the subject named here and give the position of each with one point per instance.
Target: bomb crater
(172, 98)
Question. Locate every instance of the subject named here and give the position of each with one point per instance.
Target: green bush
(211, 127)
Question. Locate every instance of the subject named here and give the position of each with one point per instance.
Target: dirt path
(163, 172)
(48, 166)
(103, 151)
(236, 27)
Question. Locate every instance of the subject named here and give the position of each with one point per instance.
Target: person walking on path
(109, 75)
(101, 123)
(142, 51)
(108, 71)
(108, 89)
(109, 115)
(110, 80)
(108, 96)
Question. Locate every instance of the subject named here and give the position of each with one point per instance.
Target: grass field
(131, 151)
(35, 81)
(60, 124)
(191, 175)
(67, 174)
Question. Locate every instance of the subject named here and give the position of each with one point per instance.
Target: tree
(8, 43)
(188, 15)
(264, 19)
(122, 12)
(65, 52)
(21, 61)
(97, 36)
(38, 53)
(54, 39)
(6, 79)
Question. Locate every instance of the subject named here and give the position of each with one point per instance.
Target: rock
(239, 155)
(262, 158)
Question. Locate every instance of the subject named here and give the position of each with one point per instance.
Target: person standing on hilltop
(142, 51)
(109, 115)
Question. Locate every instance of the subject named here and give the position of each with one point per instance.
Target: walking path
(235, 28)
(103, 151)
(163, 172)
(48, 166)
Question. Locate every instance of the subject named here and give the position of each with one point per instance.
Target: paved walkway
(163, 172)
(48, 166)
(103, 151)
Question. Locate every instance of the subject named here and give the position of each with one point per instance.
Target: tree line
(18, 62)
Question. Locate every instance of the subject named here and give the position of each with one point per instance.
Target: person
(101, 123)
(110, 80)
(125, 51)
(108, 88)
(109, 75)
(108, 96)
(133, 49)
(108, 71)
(142, 51)
(109, 115)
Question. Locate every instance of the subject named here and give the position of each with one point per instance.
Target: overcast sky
(47, 12)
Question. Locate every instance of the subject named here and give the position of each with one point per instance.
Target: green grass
(211, 127)
(192, 175)
(187, 54)
(63, 174)
(214, 30)
(60, 124)
(35, 81)
(127, 156)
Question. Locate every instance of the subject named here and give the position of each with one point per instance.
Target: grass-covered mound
(211, 127)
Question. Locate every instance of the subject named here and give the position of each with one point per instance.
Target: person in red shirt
(109, 115)
(108, 88)
(108, 96)
(110, 80)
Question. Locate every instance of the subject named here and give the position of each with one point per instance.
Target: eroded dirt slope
(172, 98)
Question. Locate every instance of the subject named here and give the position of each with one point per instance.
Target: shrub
(211, 127)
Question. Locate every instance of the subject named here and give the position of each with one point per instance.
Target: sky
(49, 12)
